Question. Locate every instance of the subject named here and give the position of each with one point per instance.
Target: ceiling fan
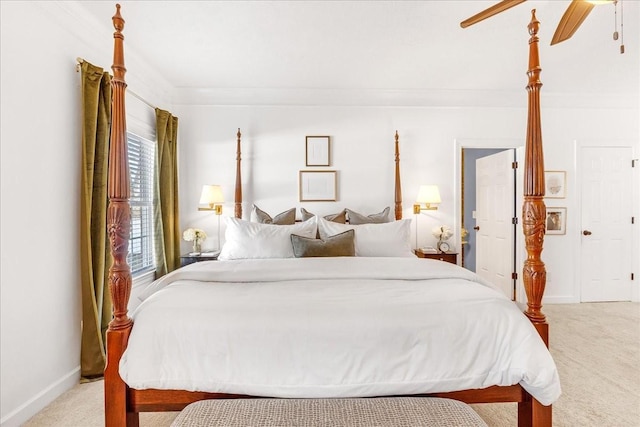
(573, 17)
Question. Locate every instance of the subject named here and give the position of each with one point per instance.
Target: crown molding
(440, 98)
(155, 88)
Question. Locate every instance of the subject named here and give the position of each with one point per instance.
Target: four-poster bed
(123, 403)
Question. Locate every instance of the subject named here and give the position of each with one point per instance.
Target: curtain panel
(167, 221)
(95, 256)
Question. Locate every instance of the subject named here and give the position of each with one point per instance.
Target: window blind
(141, 169)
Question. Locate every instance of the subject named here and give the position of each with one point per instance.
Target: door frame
(507, 143)
(635, 203)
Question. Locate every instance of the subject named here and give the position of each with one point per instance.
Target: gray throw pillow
(340, 217)
(287, 217)
(342, 244)
(355, 218)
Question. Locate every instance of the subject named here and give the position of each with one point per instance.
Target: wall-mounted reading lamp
(211, 196)
(429, 196)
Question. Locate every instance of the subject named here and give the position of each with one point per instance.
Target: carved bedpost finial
(118, 22)
(118, 51)
(238, 193)
(534, 24)
(533, 209)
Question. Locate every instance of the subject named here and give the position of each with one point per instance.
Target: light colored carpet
(596, 347)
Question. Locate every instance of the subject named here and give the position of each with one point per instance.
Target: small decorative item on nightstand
(442, 233)
(196, 236)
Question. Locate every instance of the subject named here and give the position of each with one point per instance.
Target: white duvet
(332, 327)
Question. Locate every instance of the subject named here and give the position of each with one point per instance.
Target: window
(141, 169)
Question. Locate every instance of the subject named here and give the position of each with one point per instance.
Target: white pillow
(389, 239)
(245, 239)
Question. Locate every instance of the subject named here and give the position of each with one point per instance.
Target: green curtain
(95, 257)
(167, 221)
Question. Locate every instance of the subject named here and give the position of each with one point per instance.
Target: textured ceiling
(373, 45)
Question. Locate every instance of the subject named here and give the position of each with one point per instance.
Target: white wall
(561, 129)
(40, 149)
(362, 152)
(41, 157)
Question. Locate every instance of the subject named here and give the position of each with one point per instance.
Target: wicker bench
(362, 412)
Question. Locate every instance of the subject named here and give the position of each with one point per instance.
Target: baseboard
(571, 300)
(41, 400)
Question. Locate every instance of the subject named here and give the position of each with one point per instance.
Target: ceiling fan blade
(577, 11)
(493, 10)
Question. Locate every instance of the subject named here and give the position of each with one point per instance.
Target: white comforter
(332, 327)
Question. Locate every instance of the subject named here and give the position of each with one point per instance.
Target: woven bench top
(360, 412)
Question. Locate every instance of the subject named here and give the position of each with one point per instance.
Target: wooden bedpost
(398, 189)
(118, 226)
(531, 412)
(533, 209)
(238, 193)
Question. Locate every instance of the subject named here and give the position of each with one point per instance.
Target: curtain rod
(135, 95)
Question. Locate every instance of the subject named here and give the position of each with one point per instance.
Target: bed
(376, 324)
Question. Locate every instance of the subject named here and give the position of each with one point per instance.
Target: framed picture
(556, 222)
(555, 184)
(318, 186)
(317, 151)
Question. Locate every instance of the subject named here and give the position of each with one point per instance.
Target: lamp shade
(428, 194)
(211, 195)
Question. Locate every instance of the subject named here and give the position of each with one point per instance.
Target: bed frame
(123, 404)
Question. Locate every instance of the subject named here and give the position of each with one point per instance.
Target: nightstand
(204, 256)
(451, 257)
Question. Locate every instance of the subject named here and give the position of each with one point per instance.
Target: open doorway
(467, 152)
(469, 157)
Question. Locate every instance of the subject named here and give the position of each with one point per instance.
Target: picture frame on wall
(318, 186)
(555, 184)
(318, 151)
(556, 222)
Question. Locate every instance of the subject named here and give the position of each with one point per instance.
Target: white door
(520, 250)
(606, 227)
(495, 210)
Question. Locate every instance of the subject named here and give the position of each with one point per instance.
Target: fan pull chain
(615, 20)
(621, 29)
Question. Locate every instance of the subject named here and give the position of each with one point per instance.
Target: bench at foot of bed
(366, 412)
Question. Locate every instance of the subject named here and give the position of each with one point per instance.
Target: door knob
(586, 233)
(477, 227)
